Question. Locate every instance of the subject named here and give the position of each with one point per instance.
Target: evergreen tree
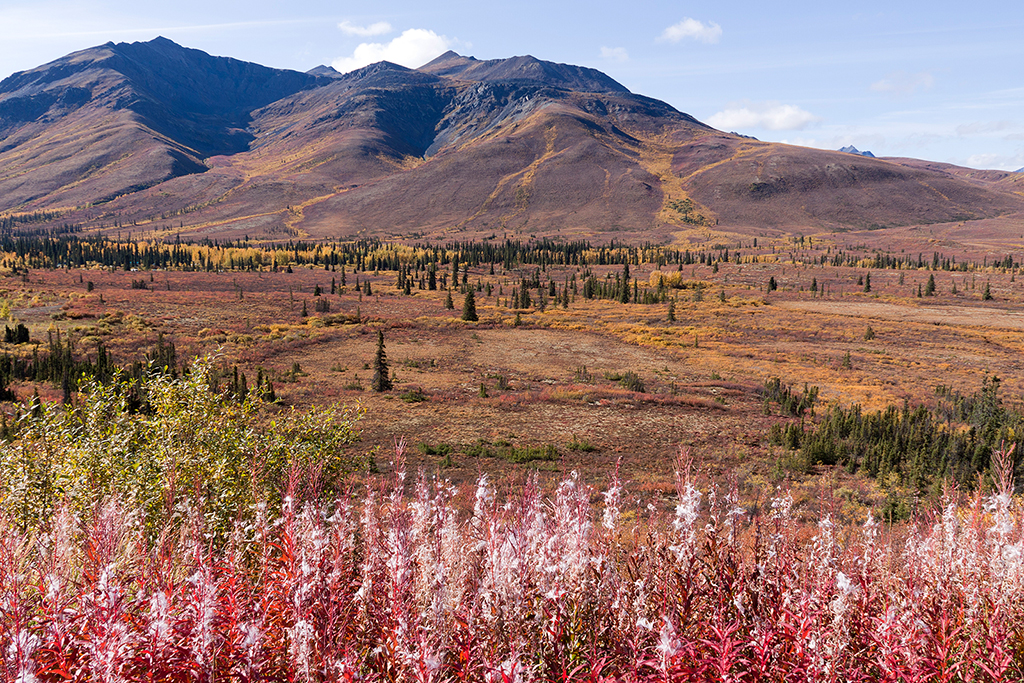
(867, 283)
(448, 303)
(929, 289)
(987, 294)
(469, 306)
(381, 377)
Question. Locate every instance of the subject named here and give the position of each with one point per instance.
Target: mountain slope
(113, 119)
(151, 130)
(756, 183)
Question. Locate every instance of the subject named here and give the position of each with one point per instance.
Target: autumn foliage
(417, 581)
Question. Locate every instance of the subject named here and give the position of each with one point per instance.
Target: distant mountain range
(153, 133)
(850, 149)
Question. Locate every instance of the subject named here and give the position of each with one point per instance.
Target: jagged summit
(850, 149)
(524, 68)
(324, 70)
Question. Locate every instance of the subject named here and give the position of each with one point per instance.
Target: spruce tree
(381, 376)
(469, 306)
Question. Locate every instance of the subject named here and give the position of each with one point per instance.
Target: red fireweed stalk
(402, 586)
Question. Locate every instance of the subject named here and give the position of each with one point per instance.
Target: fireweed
(413, 580)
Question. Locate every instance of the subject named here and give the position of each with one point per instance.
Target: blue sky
(941, 81)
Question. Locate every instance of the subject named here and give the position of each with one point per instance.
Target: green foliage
(685, 209)
(16, 335)
(439, 449)
(583, 446)
(528, 453)
(582, 375)
(791, 402)
(632, 381)
(469, 306)
(413, 396)
(922, 446)
(510, 452)
(381, 379)
(193, 452)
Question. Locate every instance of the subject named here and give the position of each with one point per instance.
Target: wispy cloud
(615, 54)
(692, 29)
(901, 83)
(414, 48)
(765, 115)
(377, 29)
(984, 127)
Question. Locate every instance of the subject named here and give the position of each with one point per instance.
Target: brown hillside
(754, 183)
(159, 136)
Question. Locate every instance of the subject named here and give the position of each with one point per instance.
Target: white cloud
(691, 28)
(377, 29)
(414, 48)
(903, 83)
(766, 115)
(616, 54)
(1003, 162)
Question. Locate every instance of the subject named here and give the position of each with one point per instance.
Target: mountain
(157, 135)
(119, 118)
(850, 149)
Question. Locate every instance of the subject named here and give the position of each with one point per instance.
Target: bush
(439, 449)
(192, 447)
(413, 396)
(583, 446)
(631, 381)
